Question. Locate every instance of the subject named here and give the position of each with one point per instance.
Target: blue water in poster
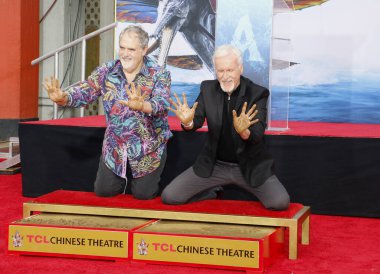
(348, 102)
(343, 103)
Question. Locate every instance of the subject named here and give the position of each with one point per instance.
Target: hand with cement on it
(244, 120)
(135, 98)
(183, 111)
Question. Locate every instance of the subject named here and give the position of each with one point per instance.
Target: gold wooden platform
(301, 220)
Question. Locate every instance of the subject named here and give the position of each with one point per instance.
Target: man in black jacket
(234, 152)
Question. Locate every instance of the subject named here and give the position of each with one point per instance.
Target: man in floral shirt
(135, 93)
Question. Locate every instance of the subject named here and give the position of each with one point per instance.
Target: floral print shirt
(132, 136)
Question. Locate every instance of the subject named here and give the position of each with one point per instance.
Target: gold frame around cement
(302, 218)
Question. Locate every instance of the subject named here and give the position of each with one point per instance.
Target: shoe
(219, 192)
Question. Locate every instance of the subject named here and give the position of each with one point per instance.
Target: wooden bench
(212, 211)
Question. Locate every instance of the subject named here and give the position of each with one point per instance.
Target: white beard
(125, 63)
(228, 88)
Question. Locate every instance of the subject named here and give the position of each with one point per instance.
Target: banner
(55, 240)
(197, 250)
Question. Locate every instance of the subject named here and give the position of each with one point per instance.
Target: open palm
(244, 120)
(182, 110)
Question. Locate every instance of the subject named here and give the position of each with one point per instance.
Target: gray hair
(142, 35)
(227, 49)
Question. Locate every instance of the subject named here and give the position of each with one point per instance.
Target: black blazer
(254, 160)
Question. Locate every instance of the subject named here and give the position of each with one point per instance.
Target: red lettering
(38, 239)
(156, 245)
(172, 249)
(30, 238)
(164, 247)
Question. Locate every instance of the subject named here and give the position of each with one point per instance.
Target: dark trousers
(108, 184)
(187, 186)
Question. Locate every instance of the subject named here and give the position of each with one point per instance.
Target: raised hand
(244, 120)
(182, 110)
(54, 91)
(135, 98)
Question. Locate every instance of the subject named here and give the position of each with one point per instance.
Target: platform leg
(293, 241)
(26, 212)
(305, 240)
